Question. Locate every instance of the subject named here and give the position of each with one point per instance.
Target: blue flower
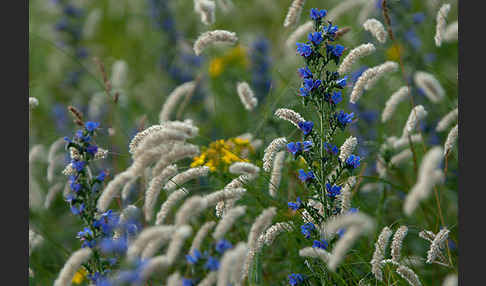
(92, 149)
(307, 228)
(91, 126)
(413, 39)
(192, 259)
(344, 118)
(212, 264)
(80, 134)
(78, 165)
(109, 245)
(309, 84)
(295, 206)
(187, 282)
(330, 30)
(67, 139)
(307, 145)
(293, 147)
(305, 177)
(305, 72)
(315, 38)
(341, 83)
(77, 210)
(101, 176)
(341, 232)
(331, 149)
(108, 221)
(295, 279)
(222, 245)
(88, 243)
(304, 92)
(316, 14)
(304, 50)
(333, 191)
(320, 244)
(336, 51)
(75, 186)
(418, 17)
(69, 197)
(84, 233)
(336, 97)
(306, 126)
(353, 161)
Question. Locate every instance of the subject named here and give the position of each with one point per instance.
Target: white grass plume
(376, 28)
(148, 234)
(417, 114)
(392, 103)
(447, 120)
(153, 191)
(247, 97)
(269, 154)
(451, 139)
(174, 97)
(184, 177)
(379, 254)
(441, 23)
(354, 55)
(289, 115)
(408, 274)
(206, 9)
(227, 221)
(347, 148)
(396, 246)
(72, 265)
(369, 77)
(172, 199)
(200, 235)
(276, 175)
(211, 37)
(430, 85)
(298, 33)
(294, 12)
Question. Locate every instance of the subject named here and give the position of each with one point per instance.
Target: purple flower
(304, 92)
(192, 259)
(307, 229)
(77, 210)
(295, 279)
(331, 149)
(222, 245)
(310, 84)
(330, 30)
(212, 264)
(341, 83)
(91, 126)
(336, 97)
(344, 118)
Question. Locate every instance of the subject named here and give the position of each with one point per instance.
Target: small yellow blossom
(220, 154)
(216, 67)
(237, 56)
(79, 276)
(394, 52)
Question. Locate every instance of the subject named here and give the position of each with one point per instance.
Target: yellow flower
(216, 67)
(394, 52)
(222, 153)
(79, 276)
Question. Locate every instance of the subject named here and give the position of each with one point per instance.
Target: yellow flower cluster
(236, 56)
(394, 52)
(79, 276)
(222, 153)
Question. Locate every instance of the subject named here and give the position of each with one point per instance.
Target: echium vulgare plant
(103, 233)
(328, 167)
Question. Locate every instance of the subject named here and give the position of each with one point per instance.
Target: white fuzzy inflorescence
(451, 139)
(314, 252)
(376, 28)
(51, 193)
(397, 143)
(342, 8)
(172, 199)
(271, 233)
(354, 55)
(72, 265)
(347, 148)
(429, 174)
(243, 168)
(379, 254)
(450, 280)
(417, 114)
(294, 12)
(186, 176)
(200, 235)
(408, 274)
(119, 73)
(148, 234)
(369, 77)
(275, 146)
(356, 224)
(210, 279)
(191, 207)
(276, 175)
(289, 115)
(53, 159)
(262, 222)
(447, 120)
(451, 33)
(226, 194)
(392, 103)
(206, 9)
(153, 191)
(231, 264)
(396, 246)
(174, 279)
(179, 152)
(183, 90)
(401, 157)
(246, 95)
(301, 31)
(227, 221)
(437, 245)
(345, 196)
(211, 37)
(430, 85)
(441, 23)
